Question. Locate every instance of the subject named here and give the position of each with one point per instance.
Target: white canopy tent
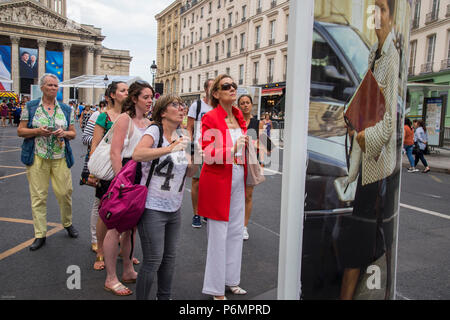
(96, 82)
(5, 80)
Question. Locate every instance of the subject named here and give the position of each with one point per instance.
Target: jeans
(419, 155)
(159, 233)
(409, 150)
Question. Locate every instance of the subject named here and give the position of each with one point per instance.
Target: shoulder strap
(199, 108)
(155, 161)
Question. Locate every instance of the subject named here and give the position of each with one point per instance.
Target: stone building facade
(168, 22)
(43, 25)
(429, 59)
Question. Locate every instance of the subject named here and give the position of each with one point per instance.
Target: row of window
(431, 16)
(240, 76)
(430, 65)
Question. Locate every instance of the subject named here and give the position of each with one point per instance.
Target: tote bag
(255, 175)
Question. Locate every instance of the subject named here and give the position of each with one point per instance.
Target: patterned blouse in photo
(51, 147)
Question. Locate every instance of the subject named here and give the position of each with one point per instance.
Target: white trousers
(94, 219)
(225, 241)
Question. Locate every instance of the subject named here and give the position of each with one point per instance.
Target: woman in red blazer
(221, 195)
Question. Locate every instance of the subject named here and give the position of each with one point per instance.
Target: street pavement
(423, 259)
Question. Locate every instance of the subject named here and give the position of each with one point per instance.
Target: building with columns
(42, 26)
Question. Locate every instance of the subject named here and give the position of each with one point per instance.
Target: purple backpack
(122, 206)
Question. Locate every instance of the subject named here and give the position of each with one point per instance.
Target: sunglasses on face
(228, 86)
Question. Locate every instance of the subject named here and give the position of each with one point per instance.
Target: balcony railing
(411, 70)
(271, 42)
(217, 58)
(431, 17)
(256, 46)
(258, 10)
(228, 54)
(415, 24)
(273, 4)
(427, 67)
(255, 81)
(445, 64)
(207, 60)
(241, 81)
(241, 50)
(269, 79)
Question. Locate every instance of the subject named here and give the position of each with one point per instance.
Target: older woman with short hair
(47, 126)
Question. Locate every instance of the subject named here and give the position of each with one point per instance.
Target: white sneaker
(246, 233)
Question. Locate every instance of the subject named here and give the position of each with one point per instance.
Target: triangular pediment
(32, 14)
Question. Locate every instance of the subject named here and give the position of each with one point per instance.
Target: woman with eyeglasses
(159, 226)
(222, 189)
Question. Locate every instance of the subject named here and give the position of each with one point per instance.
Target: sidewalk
(438, 160)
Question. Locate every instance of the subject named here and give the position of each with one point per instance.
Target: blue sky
(127, 25)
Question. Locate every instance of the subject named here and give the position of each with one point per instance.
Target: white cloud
(127, 25)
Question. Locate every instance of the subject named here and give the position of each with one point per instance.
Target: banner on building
(5, 68)
(54, 64)
(28, 63)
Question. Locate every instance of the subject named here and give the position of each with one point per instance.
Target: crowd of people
(10, 111)
(171, 142)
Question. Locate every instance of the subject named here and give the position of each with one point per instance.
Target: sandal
(129, 280)
(99, 263)
(119, 290)
(135, 260)
(237, 290)
(94, 247)
(426, 170)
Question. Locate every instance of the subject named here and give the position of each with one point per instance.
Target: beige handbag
(255, 174)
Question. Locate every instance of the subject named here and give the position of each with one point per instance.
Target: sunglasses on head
(142, 82)
(227, 86)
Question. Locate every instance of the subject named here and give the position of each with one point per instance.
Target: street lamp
(153, 69)
(105, 81)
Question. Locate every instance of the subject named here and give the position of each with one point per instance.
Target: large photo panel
(358, 88)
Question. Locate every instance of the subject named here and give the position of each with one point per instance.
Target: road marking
(273, 171)
(433, 196)
(13, 175)
(436, 214)
(402, 296)
(57, 228)
(10, 147)
(9, 167)
(14, 150)
(262, 227)
(436, 179)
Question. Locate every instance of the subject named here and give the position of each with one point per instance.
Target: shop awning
(418, 86)
(272, 92)
(99, 82)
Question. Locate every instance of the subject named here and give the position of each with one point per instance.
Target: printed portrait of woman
(371, 227)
